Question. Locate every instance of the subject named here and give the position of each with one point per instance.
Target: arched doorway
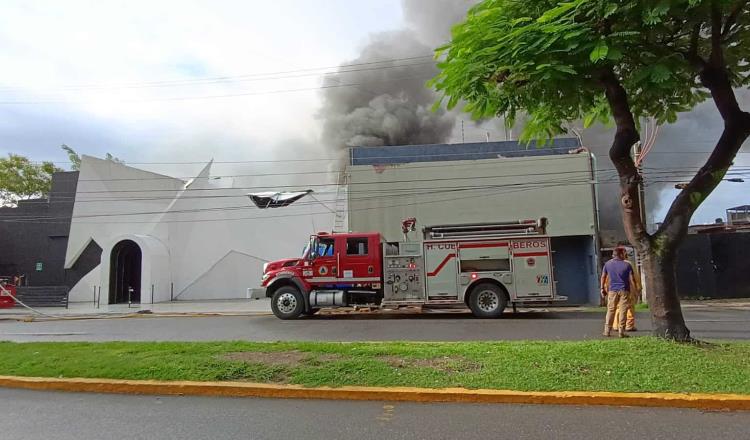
(125, 273)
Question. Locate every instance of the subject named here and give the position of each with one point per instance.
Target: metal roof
(740, 208)
(383, 155)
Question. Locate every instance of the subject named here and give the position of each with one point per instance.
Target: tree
(22, 179)
(603, 60)
(75, 158)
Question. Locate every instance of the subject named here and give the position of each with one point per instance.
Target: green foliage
(114, 159)
(73, 157)
(22, 179)
(546, 58)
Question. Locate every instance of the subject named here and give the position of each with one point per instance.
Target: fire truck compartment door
(441, 267)
(484, 251)
(532, 271)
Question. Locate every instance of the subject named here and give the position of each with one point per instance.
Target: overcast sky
(128, 78)
(114, 48)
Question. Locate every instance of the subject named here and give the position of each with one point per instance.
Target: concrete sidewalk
(263, 306)
(222, 307)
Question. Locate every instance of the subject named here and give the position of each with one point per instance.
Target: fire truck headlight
(266, 276)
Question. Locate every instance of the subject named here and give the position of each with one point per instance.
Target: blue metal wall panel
(443, 152)
(575, 268)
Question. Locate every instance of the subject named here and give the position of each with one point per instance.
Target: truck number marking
(542, 280)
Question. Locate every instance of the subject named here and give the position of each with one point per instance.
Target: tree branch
(692, 54)
(717, 54)
(625, 137)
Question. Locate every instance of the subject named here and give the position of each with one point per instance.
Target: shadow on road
(526, 315)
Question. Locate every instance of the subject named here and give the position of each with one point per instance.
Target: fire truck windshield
(324, 248)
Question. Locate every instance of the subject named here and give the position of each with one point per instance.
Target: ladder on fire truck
(340, 208)
(486, 230)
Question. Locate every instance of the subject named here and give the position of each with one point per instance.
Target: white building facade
(164, 238)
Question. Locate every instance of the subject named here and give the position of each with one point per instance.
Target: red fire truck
(7, 292)
(485, 266)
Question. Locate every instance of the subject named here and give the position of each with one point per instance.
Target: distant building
(485, 182)
(739, 215)
(34, 235)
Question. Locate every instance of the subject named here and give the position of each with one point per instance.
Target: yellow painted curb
(402, 394)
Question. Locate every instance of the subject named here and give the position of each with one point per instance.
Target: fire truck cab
(483, 266)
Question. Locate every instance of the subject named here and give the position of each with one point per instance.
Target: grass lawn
(635, 364)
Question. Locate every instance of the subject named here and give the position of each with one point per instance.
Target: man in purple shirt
(617, 279)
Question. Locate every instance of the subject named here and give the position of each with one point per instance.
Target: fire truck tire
(287, 302)
(487, 301)
(311, 312)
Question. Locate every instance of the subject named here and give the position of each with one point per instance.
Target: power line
(330, 184)
(348, 171)
(65, 219)
(356, 171)
(226, 95)
(430, 190)
(230, 78)
(382, 193)
(415, 156)
(442, 200)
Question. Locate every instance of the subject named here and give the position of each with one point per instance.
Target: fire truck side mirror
(313, 248)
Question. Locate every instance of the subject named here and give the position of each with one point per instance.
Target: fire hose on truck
(482, 266)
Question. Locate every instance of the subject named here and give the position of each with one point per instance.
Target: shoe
(606, 334)
(623, 335)
(631, 329)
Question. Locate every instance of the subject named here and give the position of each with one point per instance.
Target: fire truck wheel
(487, 301)
(311, 312)
(287, 303)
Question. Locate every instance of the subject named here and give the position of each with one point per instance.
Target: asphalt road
(716, 323)
(39, 415)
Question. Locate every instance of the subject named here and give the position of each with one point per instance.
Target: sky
(182, 81)
(78, 73)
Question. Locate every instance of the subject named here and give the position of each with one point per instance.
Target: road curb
(400, 394)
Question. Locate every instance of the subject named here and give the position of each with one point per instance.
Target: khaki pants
(632, 301)
(617, 300)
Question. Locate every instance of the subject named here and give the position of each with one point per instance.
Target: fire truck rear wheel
(287, 303)
(487, 301)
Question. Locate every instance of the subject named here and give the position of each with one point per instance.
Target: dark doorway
(125, 273)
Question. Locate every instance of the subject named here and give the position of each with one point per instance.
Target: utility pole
(641, 190)
(463, 141)
(642, 208)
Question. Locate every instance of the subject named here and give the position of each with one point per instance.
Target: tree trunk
(666, 315)
(659, 250)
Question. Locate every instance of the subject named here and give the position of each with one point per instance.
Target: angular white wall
(200, 239)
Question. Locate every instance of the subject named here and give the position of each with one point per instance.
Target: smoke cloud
(390, 104)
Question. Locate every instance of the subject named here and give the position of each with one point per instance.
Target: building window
(356, 246)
